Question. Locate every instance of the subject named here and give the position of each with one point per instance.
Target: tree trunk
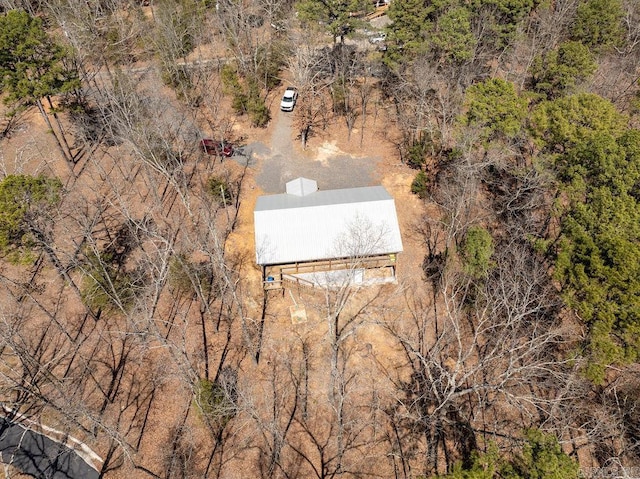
(65, 155)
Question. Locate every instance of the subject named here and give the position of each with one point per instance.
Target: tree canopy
(598, 23)
(596, 159)
(567, 122)
(541, 457)
(599, 251)
(501, 19)
(476, 251)
(451, 30)
(406, 34)
(337, 16)
(495, 107)
(32, 65)
(561, 69)
(23, 201)
(452, 36)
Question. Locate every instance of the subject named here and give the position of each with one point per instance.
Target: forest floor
(335, 161)
(275, 156)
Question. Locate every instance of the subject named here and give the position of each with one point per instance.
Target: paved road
(39, 456)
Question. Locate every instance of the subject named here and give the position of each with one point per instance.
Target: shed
(310, 236)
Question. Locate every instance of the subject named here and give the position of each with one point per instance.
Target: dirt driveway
(283, 160)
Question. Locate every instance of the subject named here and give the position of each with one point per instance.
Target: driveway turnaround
(40, 457)
(282, 163)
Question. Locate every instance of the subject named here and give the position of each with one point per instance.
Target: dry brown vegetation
(140, 326)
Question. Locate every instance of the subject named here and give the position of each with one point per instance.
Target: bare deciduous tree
(487, 366)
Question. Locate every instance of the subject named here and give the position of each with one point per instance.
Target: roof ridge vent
(301, 187)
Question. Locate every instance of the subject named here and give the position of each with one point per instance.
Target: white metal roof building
(306, 225)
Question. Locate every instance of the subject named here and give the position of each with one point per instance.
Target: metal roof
(326, 224)
(301, 187)
(323, 198)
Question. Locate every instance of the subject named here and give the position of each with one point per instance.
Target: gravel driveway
(279, 163)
